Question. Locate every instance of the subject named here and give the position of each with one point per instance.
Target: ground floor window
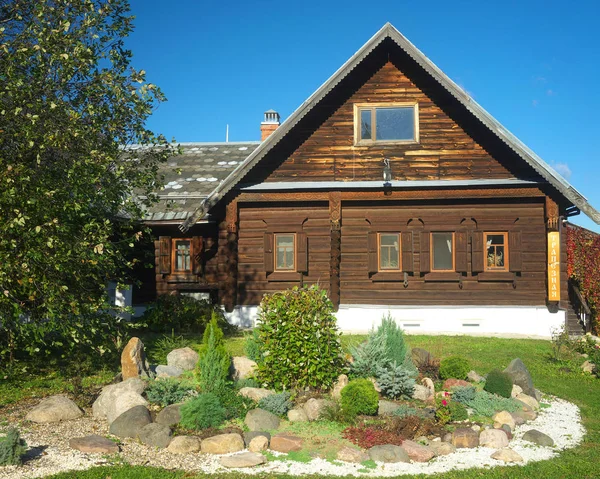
(389, 251)
(496, 249)
(182, 255)
(285, 252)
(442, 251)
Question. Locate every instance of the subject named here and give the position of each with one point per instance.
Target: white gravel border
(561, 421)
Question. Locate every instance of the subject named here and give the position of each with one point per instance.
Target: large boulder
(454, 383)
(386, 407)
(259, 420)
(133, 360)
(297, 415)
(258, 444)
(315, 408)
(422, 393)
(94, 444)
(124, 403)
(417, 452)
(285, 443)
(184, 444)
(530, 401)
(465, 437)
(475, 377)
(539, 438)
(243, 459)
(222, 444)
(503, 417)
(341, 383)
(109, 394)
(183, 358)
(388, 453)
(155, 435)
(163, 371)
(242, 367)
(169, 416)
(352, 454)
(494, 438)
(130, 422)
(506, 455)
(520, 376)
(256, 394)
(441, 448)
(54, 409)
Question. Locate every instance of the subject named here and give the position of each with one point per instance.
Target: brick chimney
(269, 125)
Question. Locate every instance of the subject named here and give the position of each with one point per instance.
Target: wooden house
(391, 188)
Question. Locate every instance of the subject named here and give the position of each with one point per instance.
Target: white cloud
(563, 169)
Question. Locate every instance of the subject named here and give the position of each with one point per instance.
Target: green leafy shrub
(360, 397)
(235, 406)
(253, 346)
(486, 404)
(169, 391)
(202, 412)
(395, 381)
(12, 448)
(300, 338)
(498, 383)
(463, 394)
(213, 366)
(404, 411)
(458, 412)
(454, 367)
(157, 352)
(278, 404)
(182, 314)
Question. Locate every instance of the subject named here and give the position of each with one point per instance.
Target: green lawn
(560, 378)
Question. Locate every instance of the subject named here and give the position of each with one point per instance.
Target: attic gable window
(386, 123)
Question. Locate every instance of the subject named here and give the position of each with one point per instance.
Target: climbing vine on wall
(583, 265)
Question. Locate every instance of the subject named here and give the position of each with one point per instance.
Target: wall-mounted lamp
(387, 172)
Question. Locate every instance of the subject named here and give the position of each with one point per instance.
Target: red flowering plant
(442, 408)
(369, 436)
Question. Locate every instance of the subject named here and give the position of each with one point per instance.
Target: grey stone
(163, 371)
(297, 415)
(417, 452)
(169, 416)
(110, 393)
(341, 383)
(516, 390)
(386, 407)
(518, 419)
(388, 453)
(520, 376)
(256, 394)
(315, 408)
(530, 401)
(94, 444)
(259, 420)
(184, 444)
(242, 367)
(421, 393)
(123, 403)
(539, 438)
(244, 459)
(222, 444)
(183, 358)
(351, 454)
(54, 409)
(441, 448)
(130, 422)
(248, 436)
(155, 435)
(473, 376)
(506, 455)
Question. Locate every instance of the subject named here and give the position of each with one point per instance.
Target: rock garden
(298, 404)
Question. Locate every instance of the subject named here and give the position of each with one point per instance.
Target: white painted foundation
(507, 321)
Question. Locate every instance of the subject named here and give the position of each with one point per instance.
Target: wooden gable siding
(357, 287)
(254, 222)
(445, 150)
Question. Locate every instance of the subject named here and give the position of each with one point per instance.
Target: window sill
(181, 278)
(443, 276)
(496, 276)
(284, 276)
(385, 142)
(387, 276)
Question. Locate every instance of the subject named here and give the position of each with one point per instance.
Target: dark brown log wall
(445, 151)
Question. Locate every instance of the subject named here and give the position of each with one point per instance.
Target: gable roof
(189, 178)
(388, 31)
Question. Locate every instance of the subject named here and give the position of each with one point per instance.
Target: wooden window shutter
(268, 253)
(164, 260)
(425, 248)
(407, 252)
(301, 253)
(372, 262)
(515, 261)
(461, 251)
(477, 265)
(198, 252)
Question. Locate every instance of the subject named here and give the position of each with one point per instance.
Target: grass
(562, 378)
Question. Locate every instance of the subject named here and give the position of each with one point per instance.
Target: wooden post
(231, 257)
(335, 218)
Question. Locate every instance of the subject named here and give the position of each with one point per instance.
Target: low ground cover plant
(369, 436)
(278, 404)
(486, 404)
(168, 391)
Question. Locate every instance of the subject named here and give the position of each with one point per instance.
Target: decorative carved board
(554, 266)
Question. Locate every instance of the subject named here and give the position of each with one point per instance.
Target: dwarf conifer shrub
(463, 394)
(253, 346)
(498, 383)
(167, 391)
(213, 366)
(12, 448)
(359, 397)
(454, 367)
(278, 404)
(486, 404)
(395, 381)
(397, 349)
(300, 340)
(458, 412)
(368, 356)
(202, 412)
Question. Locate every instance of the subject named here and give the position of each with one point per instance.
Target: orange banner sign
(554, 266)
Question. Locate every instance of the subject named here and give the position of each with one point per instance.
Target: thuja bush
(278, 404)
(498, 383)
(202, 412)
(359, 397)
(454, 367)
(12, 448)
(169, 391)
(213, 366)
(300, 340)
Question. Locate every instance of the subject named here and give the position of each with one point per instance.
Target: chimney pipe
(269, 125)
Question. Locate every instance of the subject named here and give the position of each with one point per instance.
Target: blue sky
(534, 65)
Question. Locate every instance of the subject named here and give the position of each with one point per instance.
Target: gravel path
(50, 453)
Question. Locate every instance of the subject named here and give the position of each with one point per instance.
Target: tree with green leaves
(77, 168)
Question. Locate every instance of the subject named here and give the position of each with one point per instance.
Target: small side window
(496, 251)
(389, 251)
(442, 251)
(182, 256)
(285, 252)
